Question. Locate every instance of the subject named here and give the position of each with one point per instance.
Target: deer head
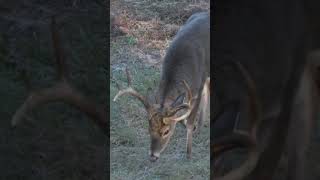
(162, 120)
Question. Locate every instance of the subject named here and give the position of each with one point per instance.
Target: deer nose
(153, 158)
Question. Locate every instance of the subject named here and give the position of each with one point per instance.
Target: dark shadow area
(54, 140)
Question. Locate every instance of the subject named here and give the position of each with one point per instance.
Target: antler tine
(185, 105)
(58, 51)
(117, 84)
(154, 83)
(24, 76)
(241, 139)
(62, 91)
(132, 92)
(209, 83)
(128, 77)
(255, 118)
(238, 139)
(155, 97)
(189, 93)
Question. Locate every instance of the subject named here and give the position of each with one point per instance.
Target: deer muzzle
(154, 156)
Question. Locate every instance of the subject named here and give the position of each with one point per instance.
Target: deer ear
(179, 100)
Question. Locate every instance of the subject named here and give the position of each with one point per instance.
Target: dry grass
(152, 24)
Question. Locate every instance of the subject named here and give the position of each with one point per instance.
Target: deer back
(187, 58)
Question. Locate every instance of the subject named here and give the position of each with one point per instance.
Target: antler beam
(132, 92)
(62, 91)
(241, 139)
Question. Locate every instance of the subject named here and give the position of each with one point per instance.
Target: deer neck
(168, 92)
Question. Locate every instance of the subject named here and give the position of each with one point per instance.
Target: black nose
(153, 158)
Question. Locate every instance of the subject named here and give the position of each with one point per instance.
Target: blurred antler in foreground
(62, 91)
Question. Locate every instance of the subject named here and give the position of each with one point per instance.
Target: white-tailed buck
(63, 91)
(264, 80)
(184, 85)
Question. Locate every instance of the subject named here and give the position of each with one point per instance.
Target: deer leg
(189, 140)
(203, 106)
(190, 127)
(299, 132)
(298, 143)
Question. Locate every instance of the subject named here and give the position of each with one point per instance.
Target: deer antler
(132, 92)
(185, 105)
(240, 138)
(62, 91)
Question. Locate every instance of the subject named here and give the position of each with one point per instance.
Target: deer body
(188, 58)
(183, 85)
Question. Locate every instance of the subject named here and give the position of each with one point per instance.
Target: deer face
(162, 124)
(160, 129)
(162, 120)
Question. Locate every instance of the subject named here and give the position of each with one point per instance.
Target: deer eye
(166, 132)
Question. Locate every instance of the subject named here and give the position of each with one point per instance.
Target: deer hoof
(189, 156)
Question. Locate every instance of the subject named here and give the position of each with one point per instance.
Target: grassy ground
(55, 141)
(149, 26)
